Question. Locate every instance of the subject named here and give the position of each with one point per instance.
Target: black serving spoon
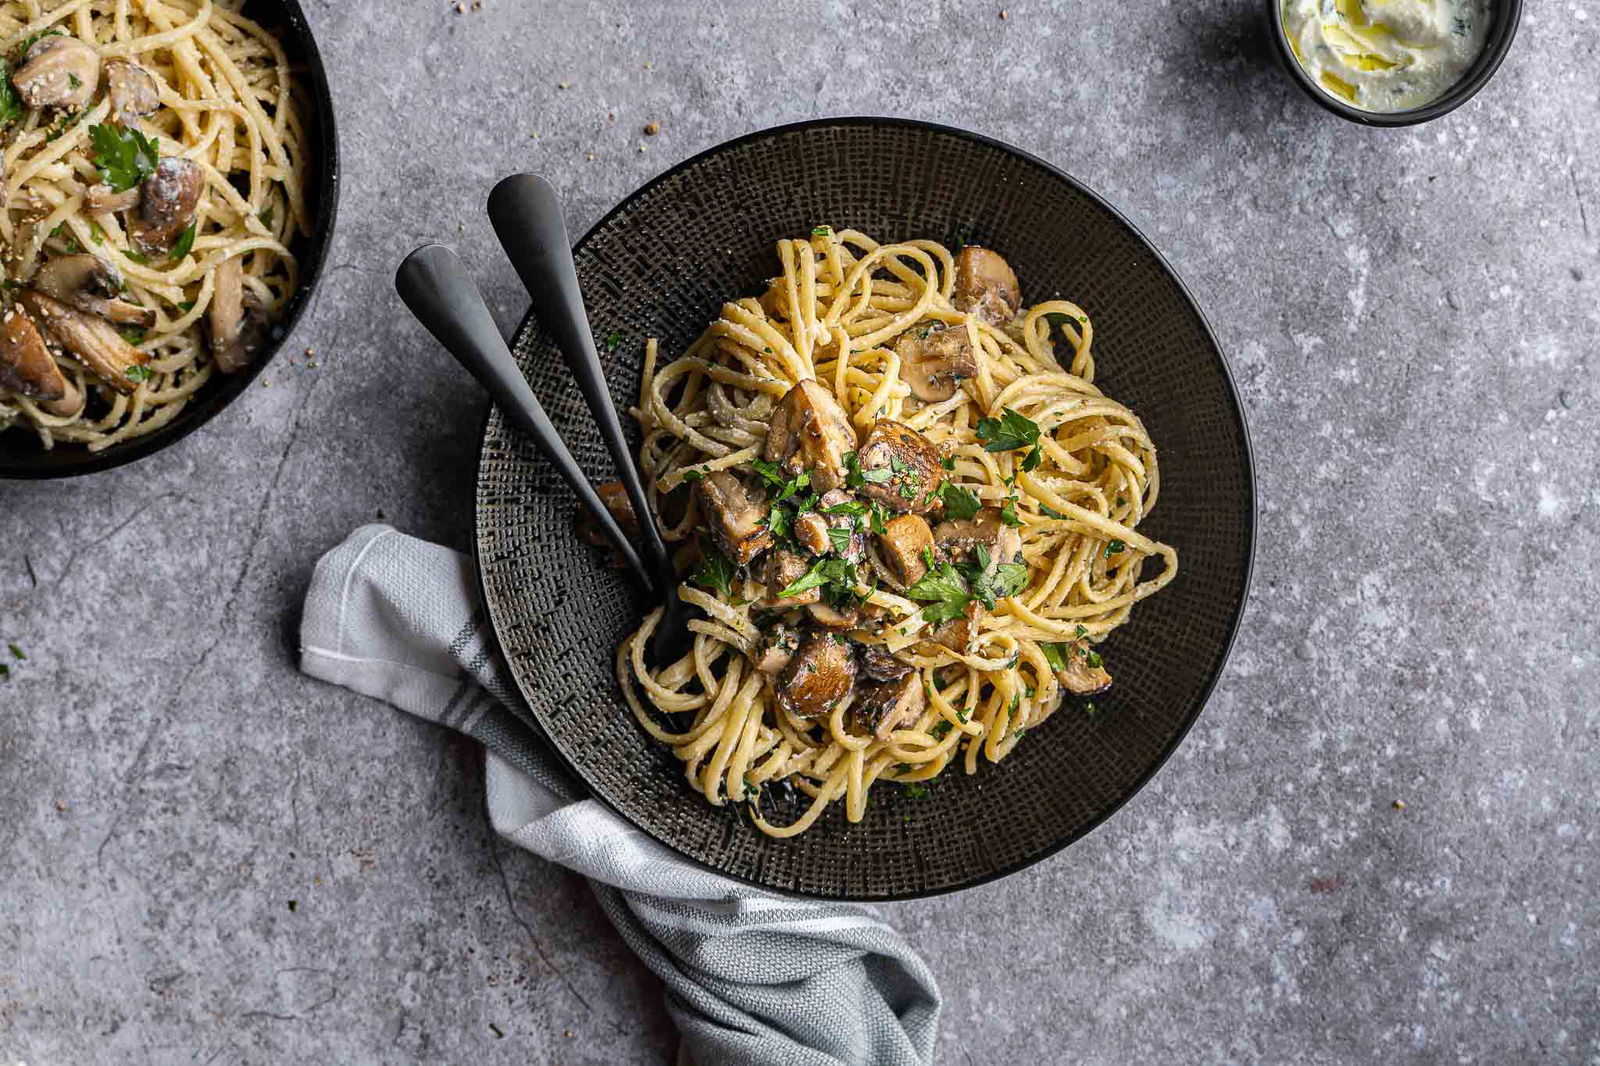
(527, 218)
(435, 286)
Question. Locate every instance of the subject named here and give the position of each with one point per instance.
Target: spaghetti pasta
(174, 155)
(1024, 549)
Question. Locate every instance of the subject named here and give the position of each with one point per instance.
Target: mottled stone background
(205, 857)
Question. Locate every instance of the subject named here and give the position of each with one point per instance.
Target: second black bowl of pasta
(958, 482)
(172, 179)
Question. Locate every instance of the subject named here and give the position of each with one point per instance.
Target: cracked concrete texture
(207, 857)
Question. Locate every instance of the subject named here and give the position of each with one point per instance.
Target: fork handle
(436, 287)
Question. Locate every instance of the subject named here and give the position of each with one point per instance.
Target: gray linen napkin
(751, 978)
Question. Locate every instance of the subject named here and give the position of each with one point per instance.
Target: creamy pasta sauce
(1386, 55)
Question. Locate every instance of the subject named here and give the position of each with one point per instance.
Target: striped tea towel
(751, 978)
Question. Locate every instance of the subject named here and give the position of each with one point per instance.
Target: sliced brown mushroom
(735, 517)
(958, 540)
(882, 708)
(91, 338)
(820, 533)
(783, 569)
(834, 617)
(959, 634)
(811, 530)
(132, 91)
(91, 284)
(986, 286)
(901, 467)
(26, 368)
(225, 316)
(881, 664)
(934, 360)
(822, 672)
(1085, 672)
(102, 200)
(58, 71)
(775, 648)
(901, 545)
(168, 200)
(615, 497)
(810, 431)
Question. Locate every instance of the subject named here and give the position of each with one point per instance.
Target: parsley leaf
(10, 104)
(137, 373)
(133, 335)
(185, 242)
(124, 157)
(1008, 513)
(1008, 432)
(1010, 578)
(959, 503)
(824, 571)
(1051, 512)
(266, 216)
(694, 475)
(839, 538)
(855, 477)
(916, 790)
(852, 508)
(880, 524)
(822, 231)
(716, 571)
(1056, 655)
(769, 471)
(1114, 547)
(945, 593)
(613, 339)
(5, 672)
(16, 652)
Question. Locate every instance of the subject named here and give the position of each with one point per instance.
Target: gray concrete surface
(205, 857)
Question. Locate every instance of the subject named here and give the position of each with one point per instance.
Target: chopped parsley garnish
(97, 234)
(1008, 513)
(916, 790)
(824, 571)
(694, 475)
(1093, 660)
(1056, 318)
(136, 257)
(266, 216)
(959, 503)
(133, 335)
(840, 539)
(944, 593)
(613, 339)
(948, 462)
(1056, 655)
(822, 231)
(908, 491)
(137, 373)
(1011, 432)
(16, 652)
(1114, 548)
(716, 571)
(124, 157)
(849, 508)
(1051, 512)
(20, 52)
(10, 104)
(185, 242)
(5, 672)
(855, 477)
(876, 513)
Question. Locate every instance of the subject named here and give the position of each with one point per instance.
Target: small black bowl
(1507, 16)
(21, 458)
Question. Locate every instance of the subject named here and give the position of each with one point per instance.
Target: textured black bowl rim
(1509, 17)
(528, 323)
(60, 463)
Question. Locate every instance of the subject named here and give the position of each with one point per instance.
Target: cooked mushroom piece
(901, 546)
(959, 634)
(168, 200)
(615, 497)
(91, 284)
(958, 540)
(92, 339)
(833, 617)
(132, 91)
(810, 431)
(784, 568)
(811, 530)
(934, 360)
(225, 317)
(735, 517)
(102, 200)
(882, 708)
(26, 368)
(881, 664)
(1085, 673)
(986, 286)
(58, 71)
(901, 467)
(822, 672)
(775, 648)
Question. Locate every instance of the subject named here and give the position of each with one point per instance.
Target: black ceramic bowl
(1507, 16)
(21, 457)
(661, 264)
